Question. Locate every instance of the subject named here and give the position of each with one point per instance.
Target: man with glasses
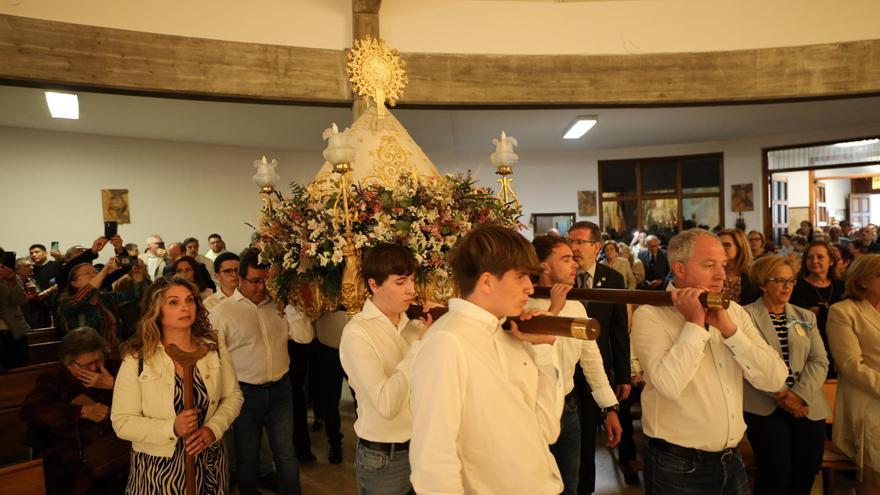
(613, 343)
(226, 272)
(257, 336)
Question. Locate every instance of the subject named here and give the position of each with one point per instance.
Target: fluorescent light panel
(863, 142)
(579, 127)
(62, 105)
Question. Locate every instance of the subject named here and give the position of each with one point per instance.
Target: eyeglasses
(256, 281)
(228, 271)
(581, 242)
(783, 281)
(90, 364)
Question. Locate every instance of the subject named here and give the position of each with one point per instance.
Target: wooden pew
(832, 459)
(42, 335)
(24, 478)
(15, 385)
(44, 352)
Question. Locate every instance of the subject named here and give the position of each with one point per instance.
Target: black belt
(689, 453)
(263, 385)
(384, 447)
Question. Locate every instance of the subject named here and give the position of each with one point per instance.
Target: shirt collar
(487, 320)
(371, 312)
(238, 296)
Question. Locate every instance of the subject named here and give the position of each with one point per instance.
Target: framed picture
(114, 204)
(544, 222)
(742, 198)
(586, 203)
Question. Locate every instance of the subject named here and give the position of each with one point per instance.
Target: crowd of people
(457, 405)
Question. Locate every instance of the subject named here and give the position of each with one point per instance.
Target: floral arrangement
(305, 233)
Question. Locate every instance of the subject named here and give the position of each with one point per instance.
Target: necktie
(584, 280)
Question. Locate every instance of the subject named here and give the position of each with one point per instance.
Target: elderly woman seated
(68, 418)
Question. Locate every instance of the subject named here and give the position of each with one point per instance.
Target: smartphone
(9, 259)
(55, 245)
(109, 229)
(162, 245)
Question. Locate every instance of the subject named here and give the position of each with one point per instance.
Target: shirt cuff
(604, 397)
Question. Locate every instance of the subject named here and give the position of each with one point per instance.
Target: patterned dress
(163, 475)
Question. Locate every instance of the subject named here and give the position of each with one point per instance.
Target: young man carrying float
(486, 403)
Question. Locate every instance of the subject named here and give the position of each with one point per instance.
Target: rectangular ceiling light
(62, 105)
(850, 144)
(579, 127)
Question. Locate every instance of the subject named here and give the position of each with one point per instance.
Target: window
(661, 196)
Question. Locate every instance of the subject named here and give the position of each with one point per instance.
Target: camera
(126, 260)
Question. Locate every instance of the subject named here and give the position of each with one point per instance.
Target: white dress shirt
(256, 336)
(214, 300)
(377, 357)
(485, 408)
(570, 351)
(693, 395)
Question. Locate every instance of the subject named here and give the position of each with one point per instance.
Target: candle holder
(504, 159)
(267, 178)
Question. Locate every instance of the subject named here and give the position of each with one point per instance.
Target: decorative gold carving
(376, 71)
(392, 159)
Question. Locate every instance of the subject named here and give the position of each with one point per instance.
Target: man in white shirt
(154, 258)
(558, 273)
(694, 361)
(226, 274)
(485, 404)
(217, 246)
(377, 349)
(256, 336)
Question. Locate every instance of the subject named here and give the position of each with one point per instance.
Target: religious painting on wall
(742, 197)
(586, 203)
(660, 216)
(114, 204)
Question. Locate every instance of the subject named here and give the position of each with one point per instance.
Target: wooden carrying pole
(710, 300)
(560, 326)
(187, 361)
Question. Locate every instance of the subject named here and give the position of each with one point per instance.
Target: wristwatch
(605, 410)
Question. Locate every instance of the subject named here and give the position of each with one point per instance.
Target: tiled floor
(322, 478)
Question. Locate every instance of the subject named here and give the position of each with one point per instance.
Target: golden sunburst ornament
(376, 71)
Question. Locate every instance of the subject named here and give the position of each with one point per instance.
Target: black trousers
(788, 452)
(590, 415)
(626, 449)
(328, 390)
(299, 371)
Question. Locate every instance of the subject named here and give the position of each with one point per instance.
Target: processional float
(377, 185)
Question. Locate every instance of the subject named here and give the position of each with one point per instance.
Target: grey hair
(681, 247)
(22, 261)
(650, 238)
(80, 341)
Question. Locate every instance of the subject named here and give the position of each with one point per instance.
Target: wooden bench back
(24, 478)
(17, 383)
(44, 352)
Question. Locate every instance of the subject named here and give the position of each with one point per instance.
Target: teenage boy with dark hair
(558, 272)
(377, 349)
(486, 405)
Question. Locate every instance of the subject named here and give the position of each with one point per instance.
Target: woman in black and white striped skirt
(149, 388)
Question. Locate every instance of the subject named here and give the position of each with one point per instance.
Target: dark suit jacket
(613, 338)
(660, 269)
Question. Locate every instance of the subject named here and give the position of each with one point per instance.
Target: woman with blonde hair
(786, 428)
(148, 403)
(854, 336)
(739, 257)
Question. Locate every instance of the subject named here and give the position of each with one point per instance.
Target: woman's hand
(100, 379)
(186, 422)
(199, 441)
(94, 412)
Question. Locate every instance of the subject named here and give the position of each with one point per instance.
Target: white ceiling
(298, 128)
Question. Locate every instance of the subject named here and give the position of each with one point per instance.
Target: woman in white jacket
(148, 397)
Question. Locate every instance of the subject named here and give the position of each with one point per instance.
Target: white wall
(798, 189)
(488, 26)
(180, 189)
(837, 196)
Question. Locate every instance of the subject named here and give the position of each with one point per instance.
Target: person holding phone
(84, 304)
(13, 326)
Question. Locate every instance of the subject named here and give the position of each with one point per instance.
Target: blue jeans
(695, 473)
(270, 407)
(382, 473)
(567, 449)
